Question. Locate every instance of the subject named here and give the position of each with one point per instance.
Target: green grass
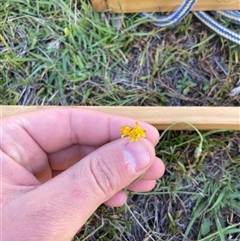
(63, 53)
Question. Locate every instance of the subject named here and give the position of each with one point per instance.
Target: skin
(59, 165)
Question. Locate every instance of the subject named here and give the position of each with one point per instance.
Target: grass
(63, 53)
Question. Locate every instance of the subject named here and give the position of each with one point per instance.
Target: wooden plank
(204, 118)
(130, 6)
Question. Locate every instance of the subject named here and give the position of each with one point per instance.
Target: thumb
(77, 192)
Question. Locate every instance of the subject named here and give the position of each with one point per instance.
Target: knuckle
(102, 175)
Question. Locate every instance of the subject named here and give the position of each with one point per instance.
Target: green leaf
(185, 91)
(205, 227)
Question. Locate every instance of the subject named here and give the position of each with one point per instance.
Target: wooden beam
(204, 118)
(129, 6)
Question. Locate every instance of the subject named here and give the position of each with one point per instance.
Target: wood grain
(204, 118)
(129, 6)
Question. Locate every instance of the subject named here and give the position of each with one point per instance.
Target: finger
(58, 128)
(155, 171)
(15, 174)
(67, 157)
(146, 183)
(75, 194)
(64, 159)
(142, 185)
(23, 149)
(117, 200)
(56, 173)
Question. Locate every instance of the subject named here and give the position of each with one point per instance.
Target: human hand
(59, 165)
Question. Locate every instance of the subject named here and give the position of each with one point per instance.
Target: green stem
(198, 150)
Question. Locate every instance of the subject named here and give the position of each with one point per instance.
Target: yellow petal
(135, 132)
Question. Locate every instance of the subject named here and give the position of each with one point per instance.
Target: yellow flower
(66, 31)
(133, 132)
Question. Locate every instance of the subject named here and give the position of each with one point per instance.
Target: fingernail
(136, 155)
